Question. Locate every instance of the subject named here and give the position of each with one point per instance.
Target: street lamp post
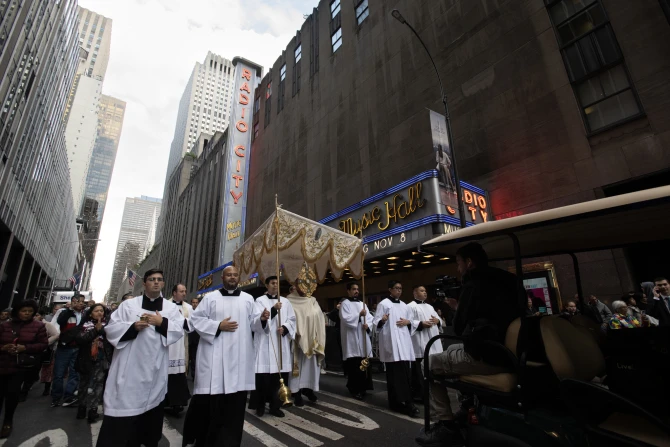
(461, 211)
(60, 250)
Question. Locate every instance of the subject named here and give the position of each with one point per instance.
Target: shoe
(441, 434)
(412, 411)
(260, 411)
(81, 412)
(277, 412)
(93, 416)
(252, 405)
(359, 396)
(55, 403)
(297, 400)
(70, 401)
(6, 430)
(323, 371)
(310, 395)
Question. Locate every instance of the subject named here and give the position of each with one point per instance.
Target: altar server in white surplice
(355, 321)
(308, 348)
(224, 319)
(428, 325)
(267, 347)
(178, 393)
(141, 330)
(394, 322)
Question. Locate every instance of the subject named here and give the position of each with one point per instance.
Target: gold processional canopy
(301, 241)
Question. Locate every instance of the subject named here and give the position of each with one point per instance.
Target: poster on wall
(443, 161)
(538, 291)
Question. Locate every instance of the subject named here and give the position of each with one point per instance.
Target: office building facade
(552, 103)
(101, 166)
(137, 236)
(38, 61)
(82, 117)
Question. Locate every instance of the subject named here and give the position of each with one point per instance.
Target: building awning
(619, 221)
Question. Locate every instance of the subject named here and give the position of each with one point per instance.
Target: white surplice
(309, 376)
(266, 356)
(177, 351)
(424, 312)
(137, 380)
(225, 359)
(395, 343)
(351, 329)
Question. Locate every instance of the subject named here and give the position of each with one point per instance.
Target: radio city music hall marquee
(408, 214)
(247, 78)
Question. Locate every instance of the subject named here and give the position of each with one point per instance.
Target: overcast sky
(155, 44)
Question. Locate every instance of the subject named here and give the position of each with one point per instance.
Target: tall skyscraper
(100, 169)
(38, 61)
(138, 231)
(204, 105)
(95, 33)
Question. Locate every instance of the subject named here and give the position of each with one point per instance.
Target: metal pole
(53, 279)
(459, 193)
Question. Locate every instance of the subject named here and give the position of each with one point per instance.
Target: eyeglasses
(155, 279)
(397, 288)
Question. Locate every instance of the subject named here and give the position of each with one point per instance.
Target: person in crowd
(623, 317)
(22, 342)
(5, 315)
(114, 306)
(178, 394)
(395, 325)
(428, 325)
(488, 303)
(631, 302)
(93, 360)
(193, 340)
(49, 316)
(570, 309)
(141, 330)
(356, 323)
(443, 322)
(127, 296)
(66, 354)
(334, 316)
(226, 363)
(33, 375)
(659, 306)
(47, 367)
(597, 311)
(267, 344)
(531, 311)
(309, 347)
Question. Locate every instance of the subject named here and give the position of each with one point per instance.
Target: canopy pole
(365, 362)
(578, 279)
(281, 362)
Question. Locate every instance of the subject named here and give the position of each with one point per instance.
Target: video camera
(447, 287)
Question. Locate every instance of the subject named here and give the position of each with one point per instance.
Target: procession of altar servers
(246, 344)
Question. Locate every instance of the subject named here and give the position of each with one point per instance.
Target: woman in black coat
(93, 360)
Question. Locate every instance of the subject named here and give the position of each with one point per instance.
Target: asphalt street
(336, 419)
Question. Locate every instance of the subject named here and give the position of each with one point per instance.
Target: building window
(336, 39)
(282, 73)
(665, 6)
(334, 8)
(268, 93)
(362, 11)
(268, 104)
(594, 63)
(256, 126)
(297, 66)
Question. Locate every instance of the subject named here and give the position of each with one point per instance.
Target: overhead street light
(459, 199)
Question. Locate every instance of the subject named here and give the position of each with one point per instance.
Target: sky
(155, 45)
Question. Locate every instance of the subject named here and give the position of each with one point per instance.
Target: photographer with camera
(488, 303)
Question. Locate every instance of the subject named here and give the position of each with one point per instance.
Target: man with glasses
(395, 325)
(66, 354)
(137, 380)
